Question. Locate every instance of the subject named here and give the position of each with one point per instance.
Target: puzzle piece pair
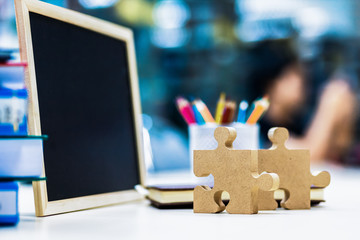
(237, 172)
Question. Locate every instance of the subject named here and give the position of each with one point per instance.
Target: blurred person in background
(277, 72)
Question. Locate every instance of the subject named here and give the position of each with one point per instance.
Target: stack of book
(20, 154)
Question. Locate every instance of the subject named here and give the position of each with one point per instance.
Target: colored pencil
(204, 111)
(220, 108)
(251, 109)
(199, 118)
(228, 113)
(261, 106)
(233, 112)
(243, 106)
(185, 110)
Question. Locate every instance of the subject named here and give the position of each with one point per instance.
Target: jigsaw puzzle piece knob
(268, 181)
(321, 179)
(207, 200)
(278, 136)
(225, 136)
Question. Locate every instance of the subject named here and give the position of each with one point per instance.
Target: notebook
(182, 196)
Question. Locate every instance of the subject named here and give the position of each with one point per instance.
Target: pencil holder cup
(202, 137)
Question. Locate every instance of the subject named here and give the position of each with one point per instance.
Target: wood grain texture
(234, 171)
(293, 168)
(23, 7)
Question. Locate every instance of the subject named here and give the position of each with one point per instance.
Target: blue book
(21, 156)
(9, 211)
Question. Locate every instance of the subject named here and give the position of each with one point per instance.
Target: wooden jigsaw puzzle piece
(269, 160)
(206, 162)
(293, 168)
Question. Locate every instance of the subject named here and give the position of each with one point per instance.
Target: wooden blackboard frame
(43, 207)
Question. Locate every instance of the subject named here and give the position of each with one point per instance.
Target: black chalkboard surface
(87, 107)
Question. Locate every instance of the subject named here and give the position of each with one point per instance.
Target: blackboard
(87, 103)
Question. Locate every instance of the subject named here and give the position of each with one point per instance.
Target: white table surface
(337, 218)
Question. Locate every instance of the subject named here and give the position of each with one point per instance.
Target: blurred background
(303, 54)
